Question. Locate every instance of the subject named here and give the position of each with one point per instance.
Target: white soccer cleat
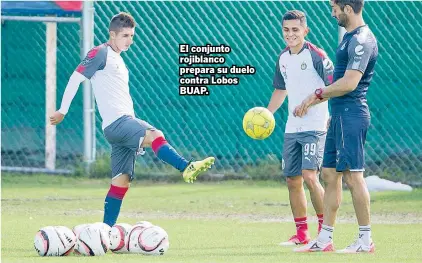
(316, 246)
(358, 247)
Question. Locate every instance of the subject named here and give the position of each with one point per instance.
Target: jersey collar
(354, 31)
(303, 48)
(108, 44)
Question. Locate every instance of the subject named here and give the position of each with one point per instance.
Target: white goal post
(87, 42)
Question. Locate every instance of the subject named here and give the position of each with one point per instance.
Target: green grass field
(234, 221)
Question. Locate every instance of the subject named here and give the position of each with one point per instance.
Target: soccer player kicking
(127, 135)
(301, 68)
(344, 149)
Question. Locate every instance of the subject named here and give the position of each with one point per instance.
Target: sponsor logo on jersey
(359, 50)
(327, 63)
(284, 71)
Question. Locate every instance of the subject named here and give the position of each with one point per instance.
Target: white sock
(326, 234)
(365, 234)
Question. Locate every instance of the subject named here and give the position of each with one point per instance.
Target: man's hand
(302, 109)
(56, 118)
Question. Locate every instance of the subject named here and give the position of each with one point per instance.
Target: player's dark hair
(120, 21)
(356, 5)
(295, 15)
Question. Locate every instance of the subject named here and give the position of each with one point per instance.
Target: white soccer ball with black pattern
(77, 229)
(54, 241)
(143, 224)
(103, 227)
(151, 240)
(118, 237)
(93, 241)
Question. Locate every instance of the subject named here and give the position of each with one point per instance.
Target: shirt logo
(284, 71)
(327, 63)
(343, 46)
(303, 66)
(359, 50)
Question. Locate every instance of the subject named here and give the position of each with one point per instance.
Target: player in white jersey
(128, 136)
(301, 68)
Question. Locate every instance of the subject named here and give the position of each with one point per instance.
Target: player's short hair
(120, 21)
(356, 5)
(295, 15)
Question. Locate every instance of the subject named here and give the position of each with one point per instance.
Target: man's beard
(343, 20)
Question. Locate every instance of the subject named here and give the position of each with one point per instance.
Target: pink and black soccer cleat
(294, 240)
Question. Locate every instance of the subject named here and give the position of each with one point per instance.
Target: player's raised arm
(95, 60)
(280, 92)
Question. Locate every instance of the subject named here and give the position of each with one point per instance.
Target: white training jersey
(301, 74)
(110, 82)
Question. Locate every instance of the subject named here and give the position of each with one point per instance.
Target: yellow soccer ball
(258, 123)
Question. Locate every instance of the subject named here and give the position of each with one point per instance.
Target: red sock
(320, 220)
(301, 228)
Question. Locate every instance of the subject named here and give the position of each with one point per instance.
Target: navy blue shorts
(125, 135)
(344, 146)
(302, 151)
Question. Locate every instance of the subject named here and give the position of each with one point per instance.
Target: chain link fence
(23, 93)
(202, 126)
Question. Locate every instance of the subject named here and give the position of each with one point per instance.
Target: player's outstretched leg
(166, 153)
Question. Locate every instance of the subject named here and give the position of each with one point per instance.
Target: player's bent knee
(122, 180)
(310, 177)
(294, 182)
(156, 133)
(354, 179)
(330, 175)
(150, 136)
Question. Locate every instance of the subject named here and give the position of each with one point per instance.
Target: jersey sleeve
(359, 53)
(323, 65)
(278, 80)
(95, 60)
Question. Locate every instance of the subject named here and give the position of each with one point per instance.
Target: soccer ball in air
(151, 240)
(54, 241)
(258, 123)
